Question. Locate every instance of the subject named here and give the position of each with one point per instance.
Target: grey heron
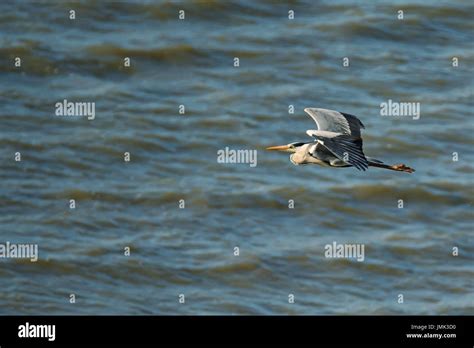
(336, 143)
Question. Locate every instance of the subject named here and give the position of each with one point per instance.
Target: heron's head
(291, 148)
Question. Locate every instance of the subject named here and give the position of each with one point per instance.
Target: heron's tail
(397, 167)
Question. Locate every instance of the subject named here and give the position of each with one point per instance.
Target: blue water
(190, 251)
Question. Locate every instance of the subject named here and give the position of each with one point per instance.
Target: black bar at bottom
(135, 330)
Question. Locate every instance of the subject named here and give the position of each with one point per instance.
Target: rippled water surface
(190, 251)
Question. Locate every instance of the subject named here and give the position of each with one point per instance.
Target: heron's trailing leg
(396, 167)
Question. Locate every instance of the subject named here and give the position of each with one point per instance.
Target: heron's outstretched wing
(334, 121)
(347, 148)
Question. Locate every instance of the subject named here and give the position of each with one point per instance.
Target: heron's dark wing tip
(354, 122)
(348, 149)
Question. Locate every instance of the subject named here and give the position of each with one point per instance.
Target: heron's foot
(402, 168)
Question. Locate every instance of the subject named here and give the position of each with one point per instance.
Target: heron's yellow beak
(279, 148)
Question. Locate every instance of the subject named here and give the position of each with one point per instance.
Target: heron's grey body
(315, 153)
(337, 143)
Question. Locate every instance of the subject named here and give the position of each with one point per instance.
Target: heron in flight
(336, 143)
